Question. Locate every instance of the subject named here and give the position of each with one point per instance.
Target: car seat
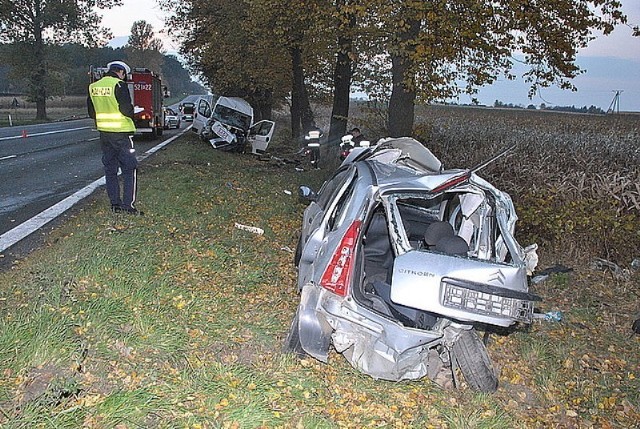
(440, 237)
(437, 231)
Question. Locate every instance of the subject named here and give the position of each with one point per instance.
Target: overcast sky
(612, 63)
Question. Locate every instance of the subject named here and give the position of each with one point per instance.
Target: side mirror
(306, 193)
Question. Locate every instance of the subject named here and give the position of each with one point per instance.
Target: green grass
(177, 319)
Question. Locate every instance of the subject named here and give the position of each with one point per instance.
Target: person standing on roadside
(109, 103)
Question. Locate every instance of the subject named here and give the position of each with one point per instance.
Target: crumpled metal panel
(375, 345)
(370, 355)
(315, 332)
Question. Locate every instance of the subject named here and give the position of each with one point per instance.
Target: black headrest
(436, 231)
(453, 245)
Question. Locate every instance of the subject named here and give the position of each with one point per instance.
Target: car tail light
(337, 276)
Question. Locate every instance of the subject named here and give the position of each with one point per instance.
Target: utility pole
(614, 107)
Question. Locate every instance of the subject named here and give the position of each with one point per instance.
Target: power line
(614, 107)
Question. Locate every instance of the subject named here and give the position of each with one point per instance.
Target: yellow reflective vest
(108, 115)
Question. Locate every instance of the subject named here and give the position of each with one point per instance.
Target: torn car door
(260, 135)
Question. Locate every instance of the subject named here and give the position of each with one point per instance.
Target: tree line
(400, 52)
(595, 110)
(47, 47)
(69, 67)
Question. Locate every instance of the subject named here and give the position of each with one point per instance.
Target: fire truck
(145, 88)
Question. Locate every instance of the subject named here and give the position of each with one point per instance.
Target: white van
(227, 123)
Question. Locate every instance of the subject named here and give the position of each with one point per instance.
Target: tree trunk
(307, 118)
(402, 101)
(38, 77)
(342, 75)
(403, 93)
(301, 114)
(342, 86)
(296, 92)
(262, 101)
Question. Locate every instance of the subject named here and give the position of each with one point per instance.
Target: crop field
(575, 179)
(177, 319)
(58, 109)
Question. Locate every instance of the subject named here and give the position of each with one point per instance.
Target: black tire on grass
(474, 362)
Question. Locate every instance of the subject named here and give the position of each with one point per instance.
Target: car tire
(292, 343)
(475, 364)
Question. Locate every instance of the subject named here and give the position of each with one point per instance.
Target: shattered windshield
(231, 117)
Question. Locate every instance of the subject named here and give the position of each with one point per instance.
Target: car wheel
(292, 343)
(474, 362)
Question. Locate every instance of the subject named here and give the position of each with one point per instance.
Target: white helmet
(119, 65)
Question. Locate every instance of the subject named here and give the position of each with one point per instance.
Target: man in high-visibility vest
(109, 103)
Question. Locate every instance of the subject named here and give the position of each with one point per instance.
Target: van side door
(204, 110)
(260, 135)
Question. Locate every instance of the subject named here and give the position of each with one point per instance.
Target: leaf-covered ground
(176, 320)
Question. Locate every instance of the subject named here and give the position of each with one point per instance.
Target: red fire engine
(146, 92)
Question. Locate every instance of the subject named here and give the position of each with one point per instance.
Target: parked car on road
(171, 119)
(401, 262)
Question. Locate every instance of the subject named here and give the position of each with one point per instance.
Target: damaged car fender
(315, 332)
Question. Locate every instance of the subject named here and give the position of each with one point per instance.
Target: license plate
(222, 132)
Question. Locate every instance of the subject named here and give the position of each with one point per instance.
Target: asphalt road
(41, 165)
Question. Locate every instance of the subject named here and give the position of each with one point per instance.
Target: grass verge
(176, 319)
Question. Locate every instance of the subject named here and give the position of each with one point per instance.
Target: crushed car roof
(405, 163)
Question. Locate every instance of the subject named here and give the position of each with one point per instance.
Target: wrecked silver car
(400, 263)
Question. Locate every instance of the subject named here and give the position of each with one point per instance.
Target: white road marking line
(28, 227)
(8, 157)
(44, 133)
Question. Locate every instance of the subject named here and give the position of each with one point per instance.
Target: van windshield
(232, 117)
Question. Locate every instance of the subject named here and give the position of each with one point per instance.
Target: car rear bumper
(373, 343)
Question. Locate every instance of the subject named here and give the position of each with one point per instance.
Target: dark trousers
(118, 152)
